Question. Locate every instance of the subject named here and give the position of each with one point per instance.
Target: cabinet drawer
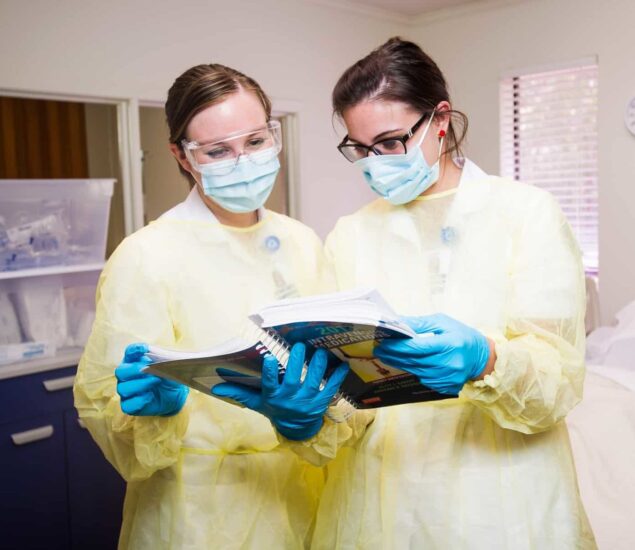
(95, 490)
(36, 394)
(34, 504)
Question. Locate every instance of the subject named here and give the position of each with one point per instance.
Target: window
(549, 139)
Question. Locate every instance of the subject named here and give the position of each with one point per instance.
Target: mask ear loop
(425, 132)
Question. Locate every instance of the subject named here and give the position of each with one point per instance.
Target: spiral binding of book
(268, 342)
(341, 407)
(277, 346)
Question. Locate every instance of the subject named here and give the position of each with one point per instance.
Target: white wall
(474, 49)
(297, 50)
(121, 48)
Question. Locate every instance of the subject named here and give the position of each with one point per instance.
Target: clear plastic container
(42, 315)
(45, 223)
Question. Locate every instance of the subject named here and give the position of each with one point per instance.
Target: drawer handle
(57, 384)
(81, 423)
(31, 436)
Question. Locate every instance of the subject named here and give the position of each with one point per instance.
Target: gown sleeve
(132, 306)
(539, 371)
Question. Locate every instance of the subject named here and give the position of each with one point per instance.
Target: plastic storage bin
(45, 223)
(52, 247)
(44, 314)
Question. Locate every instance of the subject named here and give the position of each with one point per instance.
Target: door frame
(291, 111)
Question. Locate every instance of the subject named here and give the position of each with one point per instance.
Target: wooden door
(42, 139)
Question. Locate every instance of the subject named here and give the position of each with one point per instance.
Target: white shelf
(53, 270)
(66, 357)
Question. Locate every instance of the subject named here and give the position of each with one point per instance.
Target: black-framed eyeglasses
(387, 146)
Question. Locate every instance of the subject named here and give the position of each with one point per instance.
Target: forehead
(369, 118)
(239, 112)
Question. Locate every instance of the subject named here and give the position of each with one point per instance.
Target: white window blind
(549, 139)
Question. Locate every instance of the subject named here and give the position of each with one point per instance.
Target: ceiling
(410, 7)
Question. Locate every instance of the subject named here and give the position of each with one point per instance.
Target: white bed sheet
(602, 431)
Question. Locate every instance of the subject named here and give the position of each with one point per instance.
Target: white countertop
(68, 357)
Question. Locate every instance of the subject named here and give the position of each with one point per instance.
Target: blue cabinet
(95, 490)
(33, 484)
(56, 488)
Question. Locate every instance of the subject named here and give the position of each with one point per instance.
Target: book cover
(370, 383)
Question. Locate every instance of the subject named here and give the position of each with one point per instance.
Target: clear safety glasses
(221, 157)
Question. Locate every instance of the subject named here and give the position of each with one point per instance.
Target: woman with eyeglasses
(202, 473)
(490, 277)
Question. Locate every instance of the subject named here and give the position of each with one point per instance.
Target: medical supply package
(348, 324)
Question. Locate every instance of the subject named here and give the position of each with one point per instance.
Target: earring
(441, 134)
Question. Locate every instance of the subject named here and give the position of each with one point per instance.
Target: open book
(348, 324)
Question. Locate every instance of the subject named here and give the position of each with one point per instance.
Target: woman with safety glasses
(493, 278)
(201, 473)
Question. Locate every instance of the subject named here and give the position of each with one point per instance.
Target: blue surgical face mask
(246, 187)
(401, 178)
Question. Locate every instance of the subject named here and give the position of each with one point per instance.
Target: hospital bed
(602, 431)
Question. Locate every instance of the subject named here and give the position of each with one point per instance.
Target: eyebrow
(225, 139)
(384, 134)
(381, 135)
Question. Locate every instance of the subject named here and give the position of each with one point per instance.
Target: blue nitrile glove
(295, 408)
(145, 394)
(443, 361)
